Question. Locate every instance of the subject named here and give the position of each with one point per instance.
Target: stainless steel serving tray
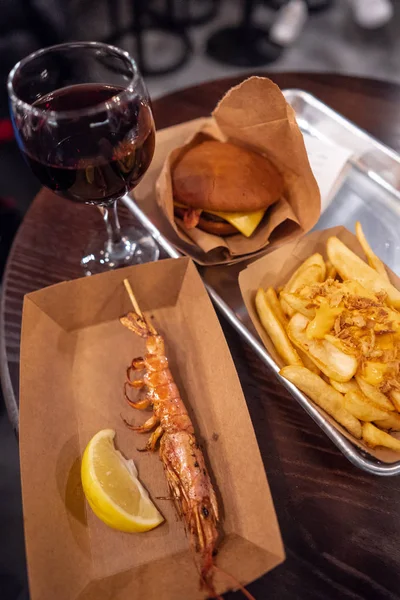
(369, 192)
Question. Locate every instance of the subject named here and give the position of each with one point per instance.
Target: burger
(224, 189)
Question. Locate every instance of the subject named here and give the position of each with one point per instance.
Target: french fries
(344, 387)
(358, 405)
(324, 396)
(275, 330)
(351, 266)
(374, 394)
(330, 270)
(373, 437)
(274, 303)
(307, 362)
(313, 270)
(395, 398)
(298, 278)
(373, 260)
(330, 360)
(391, 422)
(270, 316)
(336, 326)
(298, 304)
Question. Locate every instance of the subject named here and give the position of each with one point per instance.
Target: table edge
(318, 76)
(5, 378)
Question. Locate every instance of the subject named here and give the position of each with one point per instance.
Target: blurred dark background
(177, 43)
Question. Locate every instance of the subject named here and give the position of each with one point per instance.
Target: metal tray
(368, 191)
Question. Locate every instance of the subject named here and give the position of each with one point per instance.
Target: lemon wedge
(112, 488)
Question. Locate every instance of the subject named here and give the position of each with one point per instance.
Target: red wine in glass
(82, 118)
(92, 161)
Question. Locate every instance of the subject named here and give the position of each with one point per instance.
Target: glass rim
(129, 88)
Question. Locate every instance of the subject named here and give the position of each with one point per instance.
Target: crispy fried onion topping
(366, 327)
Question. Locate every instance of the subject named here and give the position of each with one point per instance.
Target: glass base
(136, 247)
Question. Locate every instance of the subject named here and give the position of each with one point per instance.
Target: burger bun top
(224, 177)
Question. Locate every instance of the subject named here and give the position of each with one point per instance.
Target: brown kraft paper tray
(74, 354)
(275, 270)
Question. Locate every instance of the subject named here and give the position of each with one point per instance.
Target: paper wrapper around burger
(255, 115)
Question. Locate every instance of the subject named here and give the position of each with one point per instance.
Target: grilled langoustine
(182, 458)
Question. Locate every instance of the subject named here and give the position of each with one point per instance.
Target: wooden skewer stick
(132, 298)
(137, 307)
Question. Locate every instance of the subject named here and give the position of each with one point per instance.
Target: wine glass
(82, 119)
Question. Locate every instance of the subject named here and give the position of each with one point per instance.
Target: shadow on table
(13, 576)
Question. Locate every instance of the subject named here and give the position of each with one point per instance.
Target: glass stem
(111, 221)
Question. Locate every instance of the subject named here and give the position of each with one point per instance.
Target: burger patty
(213, 218)
(179, 211)
(208, 222)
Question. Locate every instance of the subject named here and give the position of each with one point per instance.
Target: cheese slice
(245, 222)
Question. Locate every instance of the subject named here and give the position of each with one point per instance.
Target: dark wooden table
(340, 527)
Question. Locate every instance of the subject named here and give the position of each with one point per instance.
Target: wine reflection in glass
(83, 121)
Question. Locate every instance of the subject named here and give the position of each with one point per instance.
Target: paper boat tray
(73, 361)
